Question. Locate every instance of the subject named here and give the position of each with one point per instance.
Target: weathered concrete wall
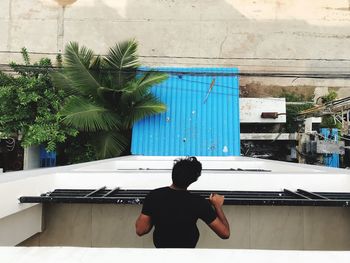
(258, 227)
(19, 226)
(279, 30)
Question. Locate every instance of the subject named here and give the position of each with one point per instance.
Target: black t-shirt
(174, 214)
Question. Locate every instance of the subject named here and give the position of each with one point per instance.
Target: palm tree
(106, 94)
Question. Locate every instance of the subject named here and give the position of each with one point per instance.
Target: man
(174, 211)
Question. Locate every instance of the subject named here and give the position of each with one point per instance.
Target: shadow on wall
(205, 28)
(219, 28)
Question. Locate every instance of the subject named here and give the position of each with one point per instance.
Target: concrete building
(255, 36)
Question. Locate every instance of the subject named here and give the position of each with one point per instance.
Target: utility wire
(241, 74)
(241, 65)
(196, 57)
(209, 72)
(204, 92)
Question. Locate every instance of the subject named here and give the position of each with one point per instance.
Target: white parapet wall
(19, 226)
(149, 172)
(87, 255)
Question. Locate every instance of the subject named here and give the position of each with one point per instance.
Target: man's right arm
(220, 225)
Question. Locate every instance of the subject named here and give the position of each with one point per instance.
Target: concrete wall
(19, 226)
(257, 227)
(279, 35)
(98, 225)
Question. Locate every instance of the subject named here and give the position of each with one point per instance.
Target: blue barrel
(47, 159)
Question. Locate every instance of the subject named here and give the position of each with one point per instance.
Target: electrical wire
(204, 92)
(197, 57)
(211, 72)
(240, 65)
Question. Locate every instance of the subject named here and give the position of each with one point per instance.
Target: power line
(204, 83)
(30, 52)
(188, 71)
(212, 72)
(247, 58)
(196, 57)
(176, 88)
(241, 65)
(218, 71)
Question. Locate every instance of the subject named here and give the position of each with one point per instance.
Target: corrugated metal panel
(197, 122)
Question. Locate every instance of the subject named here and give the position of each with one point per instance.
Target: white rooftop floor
(87, 255)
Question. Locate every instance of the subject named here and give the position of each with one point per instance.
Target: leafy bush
(29, 105)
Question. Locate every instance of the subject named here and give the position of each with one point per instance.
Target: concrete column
(31, 158)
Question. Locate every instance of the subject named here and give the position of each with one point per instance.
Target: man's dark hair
(186, 171)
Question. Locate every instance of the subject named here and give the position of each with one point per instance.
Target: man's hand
(220, 225)
(216, 200)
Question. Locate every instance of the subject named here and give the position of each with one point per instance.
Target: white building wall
(250, 110)
(279, 30)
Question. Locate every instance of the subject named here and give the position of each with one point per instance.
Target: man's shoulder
(159, 191)
(199, 199)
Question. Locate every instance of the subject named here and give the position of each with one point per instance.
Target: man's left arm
(143, 224)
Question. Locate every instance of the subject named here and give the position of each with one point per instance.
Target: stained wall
(255, 36)
(253, 227)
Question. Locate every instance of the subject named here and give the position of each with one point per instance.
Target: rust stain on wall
(65, 2)
(259, 90)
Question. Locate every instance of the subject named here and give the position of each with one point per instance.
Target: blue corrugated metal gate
(202, 116)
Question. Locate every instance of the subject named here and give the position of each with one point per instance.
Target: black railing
(121, 196)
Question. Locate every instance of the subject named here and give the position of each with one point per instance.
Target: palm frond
(84, 54)
(88, 116)
(141, 86)
(110, 96)
(123, 55)
(151, 78)
(97, 65)
(123, 60)
(60, 81)
(149, 105)
(77, 63)
(110, 144)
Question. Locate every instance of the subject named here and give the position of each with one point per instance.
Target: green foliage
(76, 150)
(292, 125)
(332, 95)
(29, 104)
(329, 121)
(292, 111)
(106, 95)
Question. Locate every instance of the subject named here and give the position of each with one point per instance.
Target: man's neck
(177, 188)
